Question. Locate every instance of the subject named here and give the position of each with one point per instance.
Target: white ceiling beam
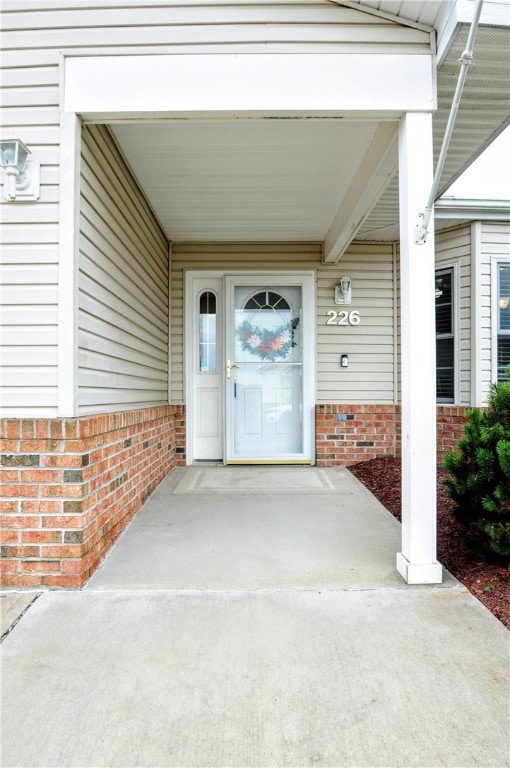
(372, 177)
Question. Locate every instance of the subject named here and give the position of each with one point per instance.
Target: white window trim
(496, 260)
(454, 266)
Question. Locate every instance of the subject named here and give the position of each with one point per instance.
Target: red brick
(71, 491)
(19, 490)
(41, 476)
(39, 446)
(64, 581)
(19, 521)
(9, 506)
(23, 551)
(41, 506)
(9, 566)
(9, 476)
(63, 460)
(73, 566)
(11, 428)
(20, 580)
(63, 521)
(8, 446)
(27, 429)
(71, 428)
(40, 566)
(46, 537)
(56, 429)
(78, 446)
(63, 551)
(41, 429)
(8, 537)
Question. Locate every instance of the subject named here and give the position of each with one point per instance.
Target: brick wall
(346, 434)
(450, 420)
(70, 486)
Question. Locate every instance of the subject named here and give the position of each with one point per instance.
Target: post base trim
(419, 573)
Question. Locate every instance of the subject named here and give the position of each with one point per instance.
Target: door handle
(229, 368)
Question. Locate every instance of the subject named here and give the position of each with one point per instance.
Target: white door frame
(307, 280)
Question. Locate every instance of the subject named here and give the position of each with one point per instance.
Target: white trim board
(251, 84)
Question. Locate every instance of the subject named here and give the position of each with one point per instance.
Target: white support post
(417, 562)
(169, 325)
(69, 233)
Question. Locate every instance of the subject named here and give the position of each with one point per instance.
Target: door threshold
(278, 462)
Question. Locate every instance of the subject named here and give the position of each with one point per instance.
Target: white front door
(251, 382)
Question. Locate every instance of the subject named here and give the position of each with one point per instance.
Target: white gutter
(421, 230)
(479, 210)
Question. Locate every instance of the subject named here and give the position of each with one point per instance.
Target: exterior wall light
(343, 291)
(21, 176)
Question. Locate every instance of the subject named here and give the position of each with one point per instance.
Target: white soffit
(483, 113)
(246, 179)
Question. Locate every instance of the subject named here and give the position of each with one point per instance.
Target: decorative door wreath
(268, 345)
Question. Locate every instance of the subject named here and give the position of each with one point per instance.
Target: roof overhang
(297, 146)
(259, 146)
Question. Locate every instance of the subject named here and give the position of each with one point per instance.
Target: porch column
(417, 561)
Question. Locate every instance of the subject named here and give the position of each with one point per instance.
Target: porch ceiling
(287, 179)
(238, 180)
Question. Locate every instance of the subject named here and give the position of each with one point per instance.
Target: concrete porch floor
(254, 617)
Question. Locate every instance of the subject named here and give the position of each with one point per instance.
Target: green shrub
(478, 480)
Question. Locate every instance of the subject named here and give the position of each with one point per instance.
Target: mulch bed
(488, 582)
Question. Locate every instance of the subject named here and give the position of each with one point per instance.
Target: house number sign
(343, 317)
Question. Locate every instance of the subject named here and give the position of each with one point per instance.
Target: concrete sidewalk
(238, 622)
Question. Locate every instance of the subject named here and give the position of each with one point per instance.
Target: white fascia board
(447, 27)
(372, 177)
(232, 85)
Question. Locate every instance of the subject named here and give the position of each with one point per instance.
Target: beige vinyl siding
(495, 244)
(123, 286)
(370, 376)
(161, 27)
(30, 238)
(28, 307)
(453, 248)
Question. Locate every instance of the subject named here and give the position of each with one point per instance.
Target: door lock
(229, 368)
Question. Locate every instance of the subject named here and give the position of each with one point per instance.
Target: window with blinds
(445, 339)
(503, 315)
